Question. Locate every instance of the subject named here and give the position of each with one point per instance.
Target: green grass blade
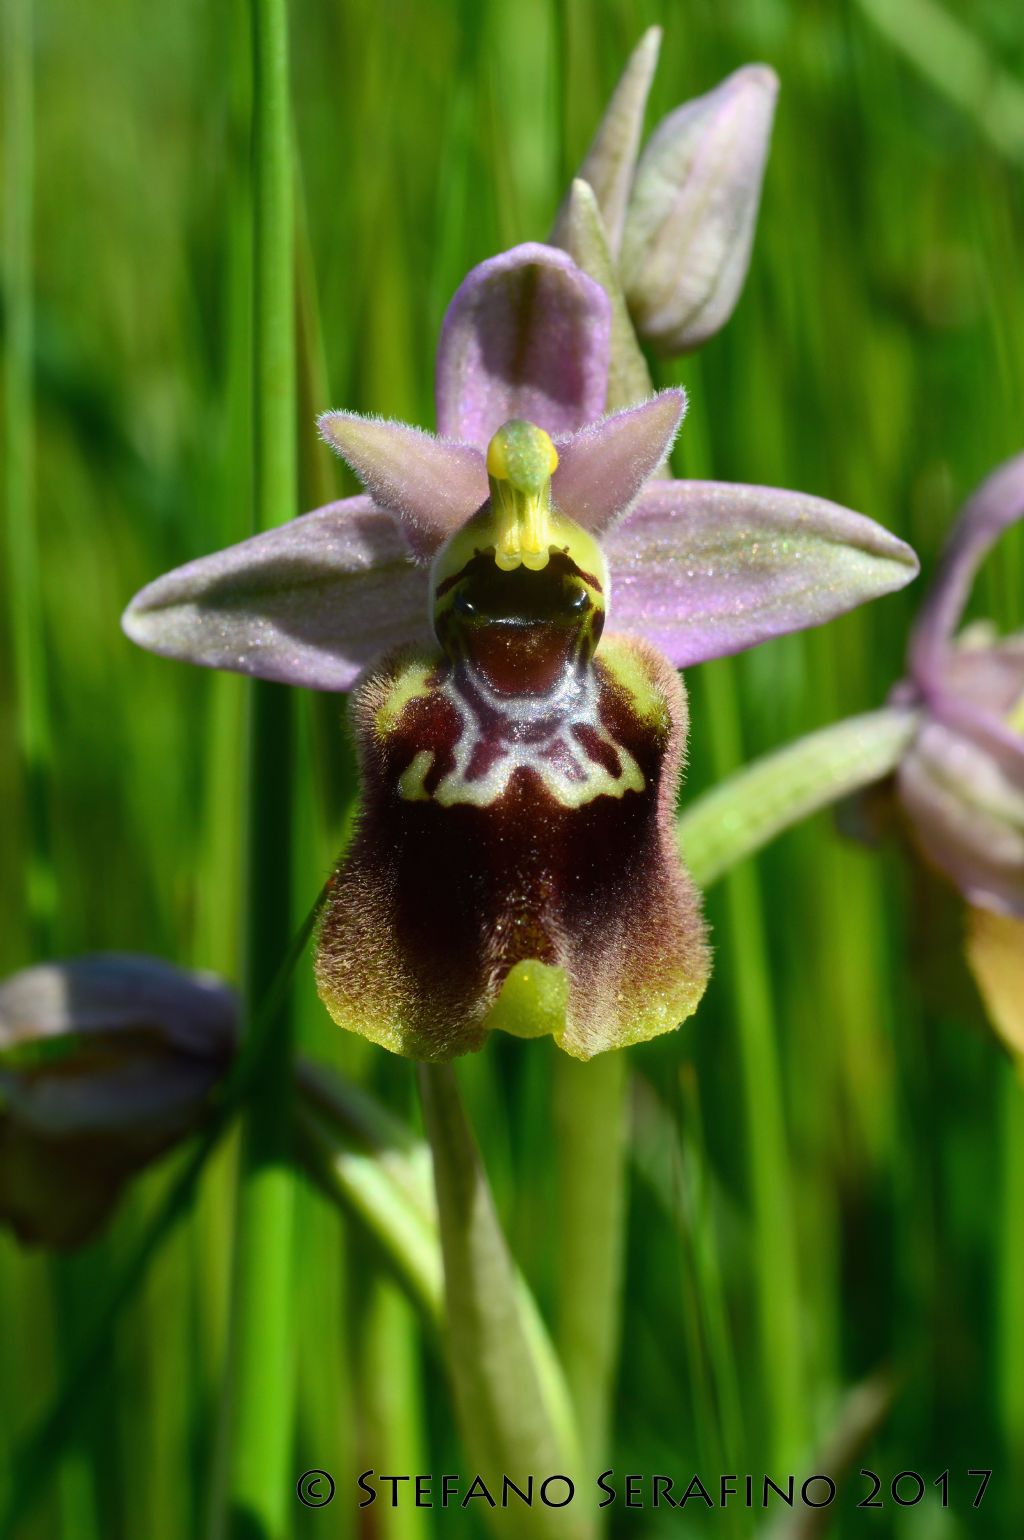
(262, 1384)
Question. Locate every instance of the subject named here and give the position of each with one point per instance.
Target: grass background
(875, 358)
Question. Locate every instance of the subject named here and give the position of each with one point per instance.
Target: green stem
(377, 1171)
(260, 1477)
(28, 643)
(1010, 1337)
(33, 728)
(371, 1166)
(591, 1121)
(392, 1403)
(778, 1299)
(747, 809)
(511, 1402)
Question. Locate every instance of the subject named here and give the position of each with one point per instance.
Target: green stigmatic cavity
(514, 862)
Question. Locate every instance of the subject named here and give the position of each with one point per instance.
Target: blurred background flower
(106, 1062)
(962, 780)
(960, 783)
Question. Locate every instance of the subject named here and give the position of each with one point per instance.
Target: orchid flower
(514, 860)
(961, 781)
(106, 1062)
(945, 755)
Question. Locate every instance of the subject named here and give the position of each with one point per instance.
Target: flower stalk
(510, 1397)
(768, 1166)
(742, 813)
(592, 1115)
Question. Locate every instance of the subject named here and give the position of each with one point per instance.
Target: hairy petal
(690, 225)
(609, 163)
(309, 603)
(583, 235)
(526, 335)
(704, 569)
(602, 470)
(431, 485)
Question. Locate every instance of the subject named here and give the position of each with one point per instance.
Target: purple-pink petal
(980, 720)
(994, 506)
(527, 334)
(987, 668)
(430, 484)
(704, 568)
(309, 603)
(966, 815)
(962, 694)
(602, 469)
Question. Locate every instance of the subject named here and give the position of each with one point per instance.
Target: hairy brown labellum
(486, 847)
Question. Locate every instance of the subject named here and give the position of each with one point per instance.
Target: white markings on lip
(536, 733)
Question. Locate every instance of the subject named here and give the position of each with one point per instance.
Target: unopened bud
(690, 223)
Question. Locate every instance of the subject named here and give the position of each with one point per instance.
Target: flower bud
(690, 223)
(105, 1063)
